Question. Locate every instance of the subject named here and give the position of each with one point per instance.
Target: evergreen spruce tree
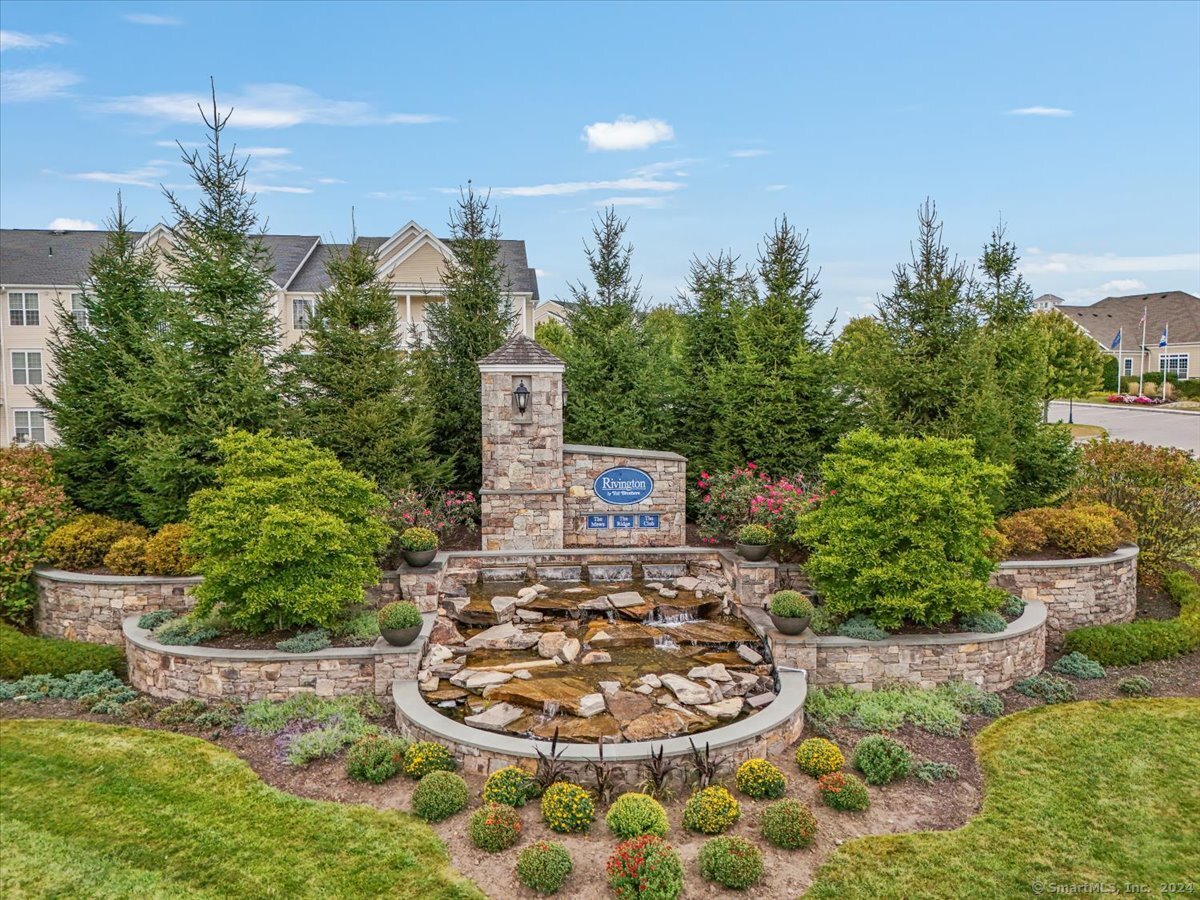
(214, 364)
(350, 388)
(93, 364)
(474, 320)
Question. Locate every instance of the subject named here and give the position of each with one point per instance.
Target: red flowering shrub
(439, 511)
(645, 868)
(729, 500)
(32, 504)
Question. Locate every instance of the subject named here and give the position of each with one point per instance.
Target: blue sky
(1077, 122)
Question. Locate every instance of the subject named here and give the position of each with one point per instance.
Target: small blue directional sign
(648, 520)
(622, 521)
(597, 521)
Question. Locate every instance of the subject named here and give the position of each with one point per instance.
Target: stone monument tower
(521, 500)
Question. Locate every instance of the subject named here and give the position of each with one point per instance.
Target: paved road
(1162, 428)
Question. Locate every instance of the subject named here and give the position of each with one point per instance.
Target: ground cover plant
(1053, 775)
(75, 816)
(941, 710)
(1135, 686)
(308, 727)
(1134, 642)
(1047, 687)
(25, 654)
(101, 692)
(1077, 665)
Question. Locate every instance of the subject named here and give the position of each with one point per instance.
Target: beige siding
(423, 267)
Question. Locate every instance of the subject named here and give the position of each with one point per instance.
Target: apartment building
(41, 272)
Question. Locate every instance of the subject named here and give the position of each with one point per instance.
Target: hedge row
(23, 654)
(1146, 639)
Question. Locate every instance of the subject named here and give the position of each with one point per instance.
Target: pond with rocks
(595, 652)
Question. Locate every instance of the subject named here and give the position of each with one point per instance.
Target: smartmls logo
(623, 485)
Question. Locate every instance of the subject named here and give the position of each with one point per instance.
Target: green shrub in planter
(731, 862)
(711, 811)
(567, 807)
(881, 759)
(760, 779)
(494, 827)
(417, 539)
(424, 757)
(862, 628)
(818, 756)
(987, 622)
(790, 605)
(1012, 607)
(635, 814)
(645, 868)
(754, 535)
(789, 824)
(152, 620)
(305, 642)
(512, 786)
(439, 796)
(186, 631)
(1135, 686)
(376, 758)
(399, 614)
(1077, 665)
(1047, 688)
(843, 792)
(544, 866)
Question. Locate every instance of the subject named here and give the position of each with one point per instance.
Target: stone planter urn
(419, 558)
(789, 626)
(400, 637)
(753, 552)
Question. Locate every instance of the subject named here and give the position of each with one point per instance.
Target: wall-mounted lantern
(521, 396)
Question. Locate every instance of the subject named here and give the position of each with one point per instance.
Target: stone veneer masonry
(213, 673)
(82, 607)
(991, 661)
(1077, 592)
(581, 466)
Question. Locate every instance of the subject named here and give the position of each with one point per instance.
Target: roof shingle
(1178, 311)
(520, 350)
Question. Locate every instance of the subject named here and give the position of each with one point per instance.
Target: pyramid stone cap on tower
(521, 353)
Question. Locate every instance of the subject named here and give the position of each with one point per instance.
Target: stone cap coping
(140, 638)
(94, 578)
(576, 552)
(589, 450)
(792, 693)
(1033, 618)
(1121, 554)
(486, 492)
(439, 563)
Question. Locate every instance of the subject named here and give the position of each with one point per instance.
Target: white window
(1176, 363)
(27, 366)
(302, 311)
(1129, 365)
(29, 426)
(23, 309)
(79, 310)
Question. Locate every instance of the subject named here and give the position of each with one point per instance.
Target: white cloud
(330, 181)
(276, 189)
(42, 83)
(174, 145)
(141, 177)
(151, 19)
(675, 167)
(1039, 263)
(399, 194)
(749, 154)
(264, 106)
(262, 152)
(643, 202)
(63, 223)
(1116, 288)
(777, 187)
(542, 273)
(1053, 112)
(20, 40)
(561, 188)
(627, 133)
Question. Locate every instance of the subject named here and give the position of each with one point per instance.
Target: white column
(407, 320)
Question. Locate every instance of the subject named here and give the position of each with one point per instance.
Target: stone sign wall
(656, 520)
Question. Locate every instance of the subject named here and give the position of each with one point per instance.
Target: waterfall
(656, 618)
(665, 642)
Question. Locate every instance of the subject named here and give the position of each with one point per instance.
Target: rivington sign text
(623, 485)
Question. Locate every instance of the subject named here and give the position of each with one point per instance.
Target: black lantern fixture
(521, 395)
(564, 396)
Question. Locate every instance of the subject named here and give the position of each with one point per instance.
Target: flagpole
(1142, 356)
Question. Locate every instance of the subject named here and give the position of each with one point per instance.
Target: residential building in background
(551, 311)
(40, 269)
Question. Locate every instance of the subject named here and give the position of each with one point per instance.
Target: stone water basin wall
(80, 606)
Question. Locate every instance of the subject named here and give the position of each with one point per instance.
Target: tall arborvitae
(94, 359)
(475, 319)
(615, 379)
(781, 406)
(215, 364)
(351, 389)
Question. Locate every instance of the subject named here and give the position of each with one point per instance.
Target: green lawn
(1085, 792)
(91, 810)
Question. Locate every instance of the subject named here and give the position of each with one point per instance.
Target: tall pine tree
(94, 362)
(474, 320)
(214, 365)
(350, 388)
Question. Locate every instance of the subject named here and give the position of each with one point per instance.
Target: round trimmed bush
(84, 541)
(127, 556)
(732, 862)
(567, 807)
(635, 814)
(789, 824)
(760, 779)
(818, 756)
(544, 866)
(754, 535)
(165, 554)
(843, 792)
(711, 810)
(495, 827)
(399, 614)
(416, 539)
(1135, 686)
(512, 786)
(881, 759)
(645, 868)
(424, 757)
(439, 796)
(375, 758)
(791, 605)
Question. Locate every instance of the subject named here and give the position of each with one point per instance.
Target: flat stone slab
(708, 633)
(686, 690)
(572, 728)
(445, 693)
(624, 599)
(566, 694)
(496, 718)
(618, 634)
(560, 573)
(503, 637)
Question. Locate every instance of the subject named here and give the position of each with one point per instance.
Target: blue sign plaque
(597, 521)
(623, 485)
(648, 520)
(623, 521)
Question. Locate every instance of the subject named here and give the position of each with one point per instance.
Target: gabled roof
(1178, 311)
(520, 350)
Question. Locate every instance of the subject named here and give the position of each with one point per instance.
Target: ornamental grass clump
(818, 756)
(376, 758)
(418, 539)
(399, 614)
(439, 796)
(843, 792)
(1077, 665)
(423, 757)
(567, 807)
(791, 605)
(788, 824)
(544, 866)
(634, 814)
(731, 862)
(711, 811)
(494, 827)
(645, 868)
(512, 786)
(881, 759)
(1135, 686)
(760, 779)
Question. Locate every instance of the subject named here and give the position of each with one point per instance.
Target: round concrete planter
(789, 626)
(418, 559)
(753, 552)
(400, 637)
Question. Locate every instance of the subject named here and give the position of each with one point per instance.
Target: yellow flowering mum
(817, 757)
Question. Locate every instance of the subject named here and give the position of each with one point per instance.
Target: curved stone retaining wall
(991, 661)
(483, 752)
(82, 607)
(1077, 592)
(211, 673)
